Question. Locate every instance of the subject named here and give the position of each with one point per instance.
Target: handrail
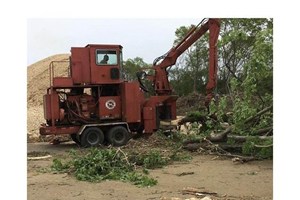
(51, 69)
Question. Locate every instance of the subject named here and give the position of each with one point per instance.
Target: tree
(241, 43)
(190, 71)
(132, 66)
(237, 45)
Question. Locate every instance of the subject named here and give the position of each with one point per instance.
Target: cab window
(106, 57)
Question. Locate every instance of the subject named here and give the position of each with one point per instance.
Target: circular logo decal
(110, 104)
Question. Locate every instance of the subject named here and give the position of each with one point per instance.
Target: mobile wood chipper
(95, 105)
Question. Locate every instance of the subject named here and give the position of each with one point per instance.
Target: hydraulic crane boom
(160, 79)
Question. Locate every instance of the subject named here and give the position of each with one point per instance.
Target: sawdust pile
(38, 81)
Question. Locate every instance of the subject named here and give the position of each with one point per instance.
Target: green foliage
(219, 108)
(59, 166)
(150, 160)
(190, 73)
(180, 156)
(212, 120)
(101, 164)
(181, 81)
(196, 115)
(245, 74)
(250, 59)
(180, 138)
(242, 110)
(132, 66)
(244, 46)
(177, 137)
(258, 148)
(140, 180)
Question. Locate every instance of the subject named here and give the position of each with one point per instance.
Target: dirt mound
(38, 81)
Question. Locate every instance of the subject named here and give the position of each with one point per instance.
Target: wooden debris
(220, 136)
(185, 173)
(192, 146)
(206, 198)
(198, 192)
(39, 158)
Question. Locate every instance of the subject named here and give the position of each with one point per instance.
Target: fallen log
(192, 141)
(225, 135)
(231, 147)
(193, 144)
(222, 152)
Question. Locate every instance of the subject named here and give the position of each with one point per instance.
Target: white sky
(143, 37)
(17, 16)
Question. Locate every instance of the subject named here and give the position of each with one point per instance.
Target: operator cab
(96, 64)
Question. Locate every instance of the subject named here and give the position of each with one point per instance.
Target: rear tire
(118, 136)
(92, 136)
(75, 138)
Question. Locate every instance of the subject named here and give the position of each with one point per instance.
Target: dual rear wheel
(94, 136)
(117, 136)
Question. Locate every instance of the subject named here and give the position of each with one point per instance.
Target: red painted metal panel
(47, 106)
(148, 113)
(150, 108)
(173, 110)
(62, 82)
(132, 98)
(80, 65)
(110, 107)
(49, 130)
(149, 119)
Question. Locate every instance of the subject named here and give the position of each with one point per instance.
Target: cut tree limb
(222, 152)
(258, 114)
(263, 146)
(239, 138)
(220, 136)
(263, 131)
(223, 136)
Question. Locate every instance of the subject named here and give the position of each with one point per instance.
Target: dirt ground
(253, 180)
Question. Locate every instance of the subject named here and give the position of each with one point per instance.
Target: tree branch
(258, 114)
